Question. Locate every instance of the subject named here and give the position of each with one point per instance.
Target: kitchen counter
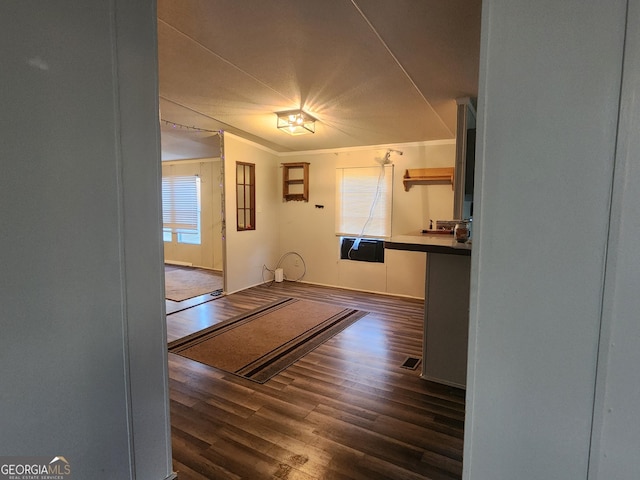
(430, 243)
(446, 304)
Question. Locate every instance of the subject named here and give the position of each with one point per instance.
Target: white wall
(548, 106)
(301, 227)
(247, 251)
(310, 231)
(83, 345)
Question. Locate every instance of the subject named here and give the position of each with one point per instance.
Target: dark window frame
(245, 196)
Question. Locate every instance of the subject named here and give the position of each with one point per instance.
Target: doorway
(193, 185)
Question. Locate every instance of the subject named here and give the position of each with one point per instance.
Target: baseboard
(210, 269)
(179, 264)
(442, 382)
(361, 290)
(330, 286)
(247, 287)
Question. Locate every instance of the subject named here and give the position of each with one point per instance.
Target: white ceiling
(372, 72)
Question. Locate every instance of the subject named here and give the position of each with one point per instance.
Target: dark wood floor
(347, 410)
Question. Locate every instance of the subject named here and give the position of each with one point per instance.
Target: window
(246, 196)
(189, 236)
(181, 208)
(363, 203)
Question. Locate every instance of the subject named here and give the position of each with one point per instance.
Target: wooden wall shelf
(295, 181)
(424, 176)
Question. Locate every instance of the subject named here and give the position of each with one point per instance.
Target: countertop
(430, 243)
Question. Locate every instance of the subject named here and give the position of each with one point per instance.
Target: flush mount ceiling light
(296, 122)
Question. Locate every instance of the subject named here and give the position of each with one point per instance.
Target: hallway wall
(548, 110)
(83, 342)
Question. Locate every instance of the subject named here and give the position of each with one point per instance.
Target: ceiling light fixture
(296, 122)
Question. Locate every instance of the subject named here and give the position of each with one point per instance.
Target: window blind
(180, 202)
(364, 201)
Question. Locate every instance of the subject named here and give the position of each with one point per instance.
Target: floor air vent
(411, 363)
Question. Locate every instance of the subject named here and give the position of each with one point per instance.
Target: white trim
(395, 146)
(377, 292)
(250, 142)
(178, 263)
(388, 294)
(427, 378)
(191, 160)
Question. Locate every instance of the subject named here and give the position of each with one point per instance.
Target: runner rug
(261, 343)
